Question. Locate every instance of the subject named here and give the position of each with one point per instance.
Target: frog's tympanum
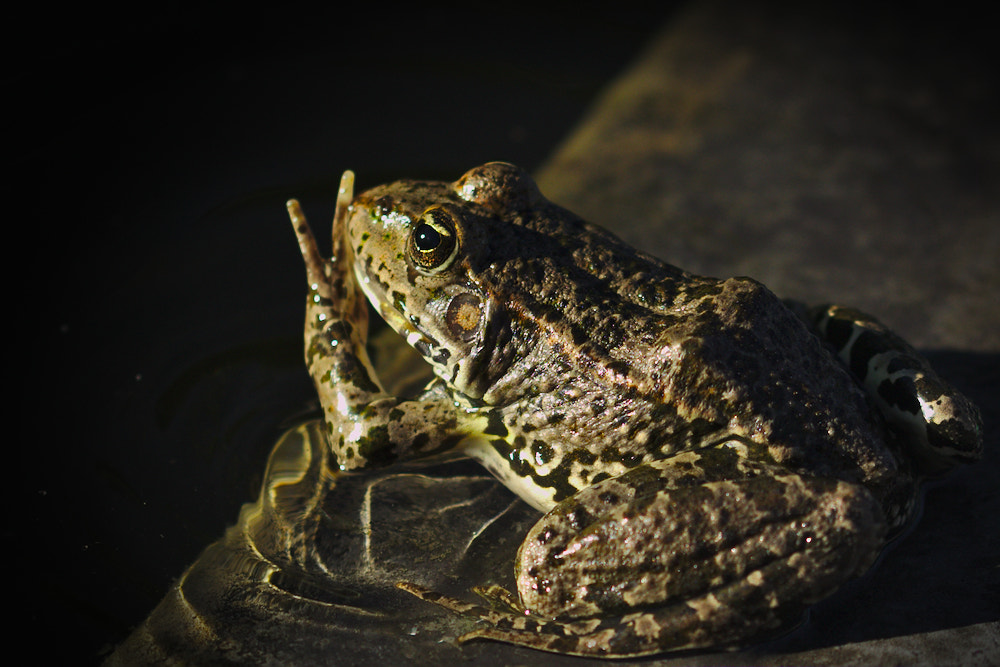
(710, 459)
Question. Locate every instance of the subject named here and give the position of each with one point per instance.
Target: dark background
(162, 288)
(160, 304)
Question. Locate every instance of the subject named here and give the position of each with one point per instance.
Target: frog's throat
(396, 320)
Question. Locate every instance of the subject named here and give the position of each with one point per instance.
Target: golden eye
(433, 244)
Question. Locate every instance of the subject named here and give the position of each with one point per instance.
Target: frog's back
(693, 359)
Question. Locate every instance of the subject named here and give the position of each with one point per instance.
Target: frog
(708, 459)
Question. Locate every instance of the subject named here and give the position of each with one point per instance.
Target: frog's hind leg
(940, 425)
(696, 551)
(715, 563)
(753, 605)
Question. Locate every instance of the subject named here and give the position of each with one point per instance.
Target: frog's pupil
(426, 238)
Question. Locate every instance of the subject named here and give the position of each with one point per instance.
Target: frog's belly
(535, 488)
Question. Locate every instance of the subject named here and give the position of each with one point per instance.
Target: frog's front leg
(366, 427)
(659, 560)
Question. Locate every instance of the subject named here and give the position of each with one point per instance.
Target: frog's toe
(503, 605)
(450, 603)
(500, 598)
(501, 625)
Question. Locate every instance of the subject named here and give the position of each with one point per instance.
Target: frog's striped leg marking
(365, 426)
(941, 426)
(677, 554)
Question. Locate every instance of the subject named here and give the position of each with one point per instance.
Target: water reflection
(314, 561)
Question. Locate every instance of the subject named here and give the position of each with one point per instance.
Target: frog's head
(419, 249)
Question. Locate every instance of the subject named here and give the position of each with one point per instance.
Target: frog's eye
(433, 245)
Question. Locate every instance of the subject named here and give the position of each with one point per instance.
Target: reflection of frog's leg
(941, 426)
(366, 427)
(671, 556)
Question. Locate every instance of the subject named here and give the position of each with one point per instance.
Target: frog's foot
(941, 426)
(500, 597)
(454, 604)
(518, 626)
(680, 626)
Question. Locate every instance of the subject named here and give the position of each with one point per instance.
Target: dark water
(154, 150)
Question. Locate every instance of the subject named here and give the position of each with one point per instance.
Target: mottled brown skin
(708, 464)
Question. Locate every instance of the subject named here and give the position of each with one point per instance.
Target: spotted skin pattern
(941, 425)
(709, 460)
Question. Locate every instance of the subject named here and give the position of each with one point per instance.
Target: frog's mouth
(428, 348)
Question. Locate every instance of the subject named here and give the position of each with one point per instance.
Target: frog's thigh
(706, 564)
